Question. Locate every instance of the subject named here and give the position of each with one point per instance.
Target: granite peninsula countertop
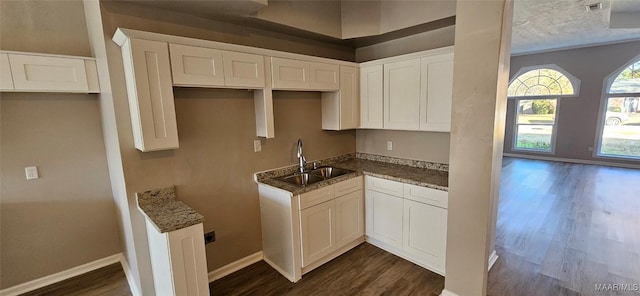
(165, 212)
(420, 173)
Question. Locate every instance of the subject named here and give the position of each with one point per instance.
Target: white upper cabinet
(290, 74)
(341, 109)
(402, 95)
(324, 76)
(150, 91)
(371, 97)
(30, 72)
(6, 80)
(436, 92)
(243, 70)
(196, 66)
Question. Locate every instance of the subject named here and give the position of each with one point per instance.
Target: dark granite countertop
(420, 173)
(165, 212)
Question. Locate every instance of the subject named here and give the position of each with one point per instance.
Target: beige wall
(577, 120)
(67, 217)
(322, 17)
(213, 167)
(426, 146)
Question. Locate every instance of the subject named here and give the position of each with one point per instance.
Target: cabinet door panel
(436, 94)
(39, 73)
(317, 226)
(196, 66)
(150, 91)
(349, 218)
(384, 218)
(425, 233)
(243, 69)
(402, 95)
(324, 76)
(6, 81)
(290, 74)
(349, 98)
(371, 97)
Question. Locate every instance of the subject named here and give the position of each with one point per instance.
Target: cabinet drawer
(426, 195)
(348, 186)
(315, 197)
(385, 186)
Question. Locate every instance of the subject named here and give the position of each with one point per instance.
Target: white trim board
(447, 293)
(67, 274)
(492, 259)
(234, 266)
(573, 160)
(133, 286)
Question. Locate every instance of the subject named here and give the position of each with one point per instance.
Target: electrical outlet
(590, 148)
(209, 237)
(31, 172)
(257, 146)
(389, 145)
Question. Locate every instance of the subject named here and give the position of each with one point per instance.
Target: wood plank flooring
(562, 228)
(109, 280)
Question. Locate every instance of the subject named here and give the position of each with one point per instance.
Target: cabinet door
(243, 69)
(196, 66)
(402, 95)
(425, 233)
(384, 218)
(149, 86)
(6, 81)
(324, 76)
(41, 73)
(349, 98)
(317, 226)
(290, 74)
(371, 97)
(436, 93)
(349, 218)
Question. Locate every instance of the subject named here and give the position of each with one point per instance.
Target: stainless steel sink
(328, 172)
(302, 179)
(313, 176)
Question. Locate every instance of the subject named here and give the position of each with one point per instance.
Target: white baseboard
(573, 160)
(235, 266)
(447, 293)
(133, 286)
(492, 259)
(63, 275)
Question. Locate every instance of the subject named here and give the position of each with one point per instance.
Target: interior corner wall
(577, 119)
(321, 17)
(427, 146)
(67, 217)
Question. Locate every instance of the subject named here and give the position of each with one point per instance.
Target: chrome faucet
(302, 161)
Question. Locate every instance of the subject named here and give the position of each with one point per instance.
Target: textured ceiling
(542, 25)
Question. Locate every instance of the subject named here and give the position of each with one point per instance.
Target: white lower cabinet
(411, 223)
(302, 232)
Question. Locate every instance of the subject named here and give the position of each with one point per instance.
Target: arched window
(620, 116)
(536, 91)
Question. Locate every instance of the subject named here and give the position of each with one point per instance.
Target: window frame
(602, 114)
(554, 128)
(575, 83)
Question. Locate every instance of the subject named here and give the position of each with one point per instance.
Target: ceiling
(538, 25)
(543, 25)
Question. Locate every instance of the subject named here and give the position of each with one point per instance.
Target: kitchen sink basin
(313, 176)
(302, 179)
(328, 172)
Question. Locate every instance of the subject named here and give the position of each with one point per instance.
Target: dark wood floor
(109, 280)
(365, 270)
(562, 228)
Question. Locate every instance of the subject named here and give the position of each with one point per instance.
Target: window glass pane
(537, 111)
(628, 81)
(534, 137)
(621, 132)
(540, 82)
